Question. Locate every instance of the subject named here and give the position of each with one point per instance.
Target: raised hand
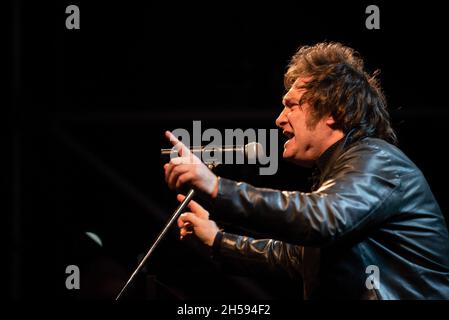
(188, 169)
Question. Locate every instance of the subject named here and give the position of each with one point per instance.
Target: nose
(282, 119)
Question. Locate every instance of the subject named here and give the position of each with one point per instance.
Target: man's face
(305, 142)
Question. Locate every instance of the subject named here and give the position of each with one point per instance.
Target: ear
(330, 121)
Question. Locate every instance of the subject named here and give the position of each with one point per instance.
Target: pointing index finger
(179, 146)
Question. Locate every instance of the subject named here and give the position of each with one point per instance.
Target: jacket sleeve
(357, 194)
(259, 254)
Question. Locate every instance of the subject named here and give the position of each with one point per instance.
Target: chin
(288, 156)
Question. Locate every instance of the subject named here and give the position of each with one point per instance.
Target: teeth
(288, 134)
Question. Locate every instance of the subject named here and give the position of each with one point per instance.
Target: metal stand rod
(173, 218)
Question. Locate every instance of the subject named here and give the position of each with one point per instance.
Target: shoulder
(373, 146)
(372, 154)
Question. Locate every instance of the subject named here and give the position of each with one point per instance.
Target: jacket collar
(326, 156)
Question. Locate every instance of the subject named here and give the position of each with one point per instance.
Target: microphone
(250, 152)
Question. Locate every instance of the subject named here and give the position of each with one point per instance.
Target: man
(370, 229)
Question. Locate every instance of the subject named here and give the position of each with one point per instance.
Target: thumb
(190, 218)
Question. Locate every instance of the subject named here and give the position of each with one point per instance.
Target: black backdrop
(88, 109)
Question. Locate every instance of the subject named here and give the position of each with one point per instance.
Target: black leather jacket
(372, 207)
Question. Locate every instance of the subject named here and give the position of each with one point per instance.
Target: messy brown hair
(339, 86)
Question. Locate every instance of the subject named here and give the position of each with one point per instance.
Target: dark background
(87, 109)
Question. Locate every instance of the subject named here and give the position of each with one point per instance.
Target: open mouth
(289, 135)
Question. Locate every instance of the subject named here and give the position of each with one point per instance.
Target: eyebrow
(299, 87)
(287, 101)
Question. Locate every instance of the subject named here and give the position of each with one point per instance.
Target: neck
(335, 136)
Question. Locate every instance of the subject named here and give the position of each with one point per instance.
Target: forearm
(339, 209)
(259, 210)
(258, 254)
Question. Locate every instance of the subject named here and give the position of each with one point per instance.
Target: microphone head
(254, 151)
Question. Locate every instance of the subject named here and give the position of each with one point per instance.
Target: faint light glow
(95, 238)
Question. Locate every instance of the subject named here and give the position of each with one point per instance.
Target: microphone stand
(170, 222)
